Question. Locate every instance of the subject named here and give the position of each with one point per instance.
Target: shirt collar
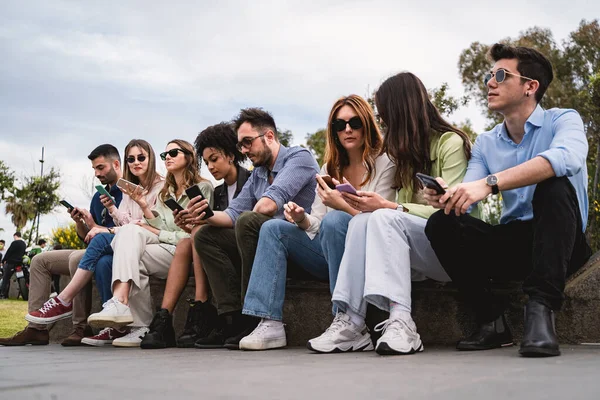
(263, 172)
(536, 119)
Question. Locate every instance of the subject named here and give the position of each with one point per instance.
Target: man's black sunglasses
(339, 125)
(140, 158)
(172, 153)
(247, 142)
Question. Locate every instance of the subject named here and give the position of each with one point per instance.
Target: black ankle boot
(201, 320)
(216, 337)
(162, 334)
(539, 337)
(242, 326)
(489, 336)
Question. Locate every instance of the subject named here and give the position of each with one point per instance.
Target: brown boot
(79, 332)
(27, 336)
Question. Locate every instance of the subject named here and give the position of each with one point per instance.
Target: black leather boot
(489, 336)
(161, 334)
(201, 320)
(539, 338)
(243, 325)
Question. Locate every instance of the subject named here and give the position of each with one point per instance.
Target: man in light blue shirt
(537, 159)
(228, 244)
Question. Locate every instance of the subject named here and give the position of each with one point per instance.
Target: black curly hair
(221, 137)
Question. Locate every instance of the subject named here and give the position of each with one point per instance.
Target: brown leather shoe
(27, 336)
(74, 339)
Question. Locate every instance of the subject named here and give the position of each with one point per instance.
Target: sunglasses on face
(500, 76)
(172, 153)
(247, 142)
(339, 124)
(140, 158)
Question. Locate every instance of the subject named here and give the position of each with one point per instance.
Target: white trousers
(385, 250)
(138, 254)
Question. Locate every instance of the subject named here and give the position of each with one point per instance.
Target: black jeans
(7, 271)
(542, 252)
(227, 256)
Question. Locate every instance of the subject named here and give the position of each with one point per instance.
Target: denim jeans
(279, 242)
(98, 259)
(332, 235)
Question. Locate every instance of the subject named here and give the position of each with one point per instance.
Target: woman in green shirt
(386, 246)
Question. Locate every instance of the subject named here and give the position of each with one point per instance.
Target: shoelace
(108, 303)
(262, 326)
(396, 327)
(104, 331)
(49, 305)
(337, 324)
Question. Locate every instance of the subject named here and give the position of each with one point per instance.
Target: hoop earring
(230, 161)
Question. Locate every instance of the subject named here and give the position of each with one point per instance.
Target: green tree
(7, 180)
(285, 137)
(316, 142)
(21, 207)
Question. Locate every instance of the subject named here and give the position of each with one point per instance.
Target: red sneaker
(106, 336)
(52, 310)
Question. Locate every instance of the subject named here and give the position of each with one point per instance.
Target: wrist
(302, 220)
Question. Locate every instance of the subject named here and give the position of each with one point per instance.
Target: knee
(333, 220)
(204, 237)
(274, 228)
(184, 248)
(438, 223)
(385, 216)
(246, 220)
(553, 190)
(104, 266)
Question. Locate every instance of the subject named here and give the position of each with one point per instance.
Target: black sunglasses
(140, 158)
(500, 76)
(339, 125)
(247, 142)
(172, 153)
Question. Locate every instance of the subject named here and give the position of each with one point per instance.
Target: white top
(231, 192)
(129, 212)
(382, 182)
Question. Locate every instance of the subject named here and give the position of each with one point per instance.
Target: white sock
(355, 318)
(399, 311)
(64, 303)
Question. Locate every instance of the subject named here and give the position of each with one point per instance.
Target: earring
(527, 94)
(230, 161)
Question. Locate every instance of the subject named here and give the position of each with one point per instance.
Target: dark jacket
(221, 201)
(15, 253)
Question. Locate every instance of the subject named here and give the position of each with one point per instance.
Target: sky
(76, 74)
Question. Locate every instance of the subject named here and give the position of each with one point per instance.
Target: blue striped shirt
(293, 180)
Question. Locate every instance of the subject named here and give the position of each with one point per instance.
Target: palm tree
(21, 211)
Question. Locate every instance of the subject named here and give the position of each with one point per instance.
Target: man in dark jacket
(12, 258)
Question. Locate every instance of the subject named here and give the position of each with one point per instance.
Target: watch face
(491, 180)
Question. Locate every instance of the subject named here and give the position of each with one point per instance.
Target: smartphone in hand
(327, 179)
(67, 205)
(102, 190)
(346, 187)
(194, 191)
(430, 183)
(127, 186)
(172, 204)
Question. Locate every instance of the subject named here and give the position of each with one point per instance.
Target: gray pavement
(54, 372)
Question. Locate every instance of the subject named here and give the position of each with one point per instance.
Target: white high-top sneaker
(267, 335)
(114, 314)
(342, 335)
(399, 337)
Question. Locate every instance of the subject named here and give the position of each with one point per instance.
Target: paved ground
(53, 372)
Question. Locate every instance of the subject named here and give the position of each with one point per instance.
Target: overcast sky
(75, 74)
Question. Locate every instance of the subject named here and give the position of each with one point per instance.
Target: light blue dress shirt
(294, 179)
(557, 135)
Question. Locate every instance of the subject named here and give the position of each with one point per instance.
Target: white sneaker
(106, 336)
(399, 337)
(133, 338)
(114, 314)
(342, 335)
(267, 335)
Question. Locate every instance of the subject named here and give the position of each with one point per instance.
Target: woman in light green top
(149, 247)
(386, 246)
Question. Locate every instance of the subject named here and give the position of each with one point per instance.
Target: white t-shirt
(231, 192)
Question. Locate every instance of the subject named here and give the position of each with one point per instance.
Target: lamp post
(37, 228)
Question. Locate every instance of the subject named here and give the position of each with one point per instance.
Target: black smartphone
(430, 183)
(172, 204)
(67, 204)
(194, 191)
(327, 179)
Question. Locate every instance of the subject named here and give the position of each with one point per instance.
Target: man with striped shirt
(228, 243)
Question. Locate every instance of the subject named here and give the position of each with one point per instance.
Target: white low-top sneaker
(133, 338)
(268, 334)
(114, 314)
(342, 335)
(399, 337)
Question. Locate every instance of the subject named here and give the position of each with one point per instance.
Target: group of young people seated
(363, 222)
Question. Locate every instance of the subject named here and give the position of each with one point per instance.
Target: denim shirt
(293, 180)
(557, 135)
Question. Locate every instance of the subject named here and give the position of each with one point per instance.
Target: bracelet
(301, 221)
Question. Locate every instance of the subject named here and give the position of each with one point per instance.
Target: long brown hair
(411, 120)
(151, 176)
(191, 173)
(336, 155)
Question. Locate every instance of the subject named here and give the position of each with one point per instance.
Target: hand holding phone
(172, 204)
(102, 190)
(328, 181)
(346, 187)
(430, 182)
(67, 204)
(128, 187)
(194, 191)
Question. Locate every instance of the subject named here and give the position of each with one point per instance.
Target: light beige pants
(58, 262)
(138, 254)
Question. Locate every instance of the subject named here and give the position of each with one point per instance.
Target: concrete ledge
(439, 315)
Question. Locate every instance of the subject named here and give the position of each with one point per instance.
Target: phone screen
(194, 191)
